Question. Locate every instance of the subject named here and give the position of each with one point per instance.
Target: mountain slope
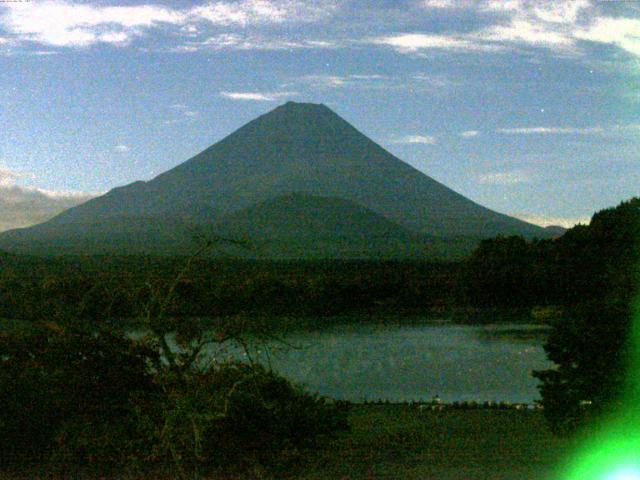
(294, 148)
(299, 225)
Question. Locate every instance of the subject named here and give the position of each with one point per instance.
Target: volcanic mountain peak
(297, 147)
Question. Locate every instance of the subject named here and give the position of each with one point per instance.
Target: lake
(405, 363)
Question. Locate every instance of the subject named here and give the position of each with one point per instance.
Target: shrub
(589, 350)
(101, 400)
(238, 415)
(59, 387)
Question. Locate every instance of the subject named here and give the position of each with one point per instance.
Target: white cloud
(470, 133)
(43, 53)
(339, 81)
(501, 5)
(184, 110)
(233, 41)
(22, 206)
(417, 139)
(563, 26)
(412, 82)
(521, 29)
(121, 148)
(441, 4)
(115, 38)
(609, 130)
(181, 113)
(7, 177)
(551, 130)
(548, 220)
(556, 11)
(413, 42)
(371, 76)
(324, 81)
(504, 178)
(622, 32)
(66, 24)
(71, 24)
(525, 32)
(438, 81)
(248, 12)
(257, 96)
(565, 11)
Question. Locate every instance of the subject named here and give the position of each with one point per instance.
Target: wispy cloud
(7, 177)
(433, 83)
(181, 113)
(234, 41)
(442, 4)
(62, 23)
(505, 178)
(247, 12)
(324, 81)
(525, 32)
(184, 110)
(550, 130)
(562, 26)
(470, 133)
(340, 81)
(257, 96)
(416, 139)
(621, 32)
(121, 148)
(414, 42)
(608, 130)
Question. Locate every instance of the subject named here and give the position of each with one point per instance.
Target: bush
(589, 350)
(101, 400)
(238, 415)
(59, 387)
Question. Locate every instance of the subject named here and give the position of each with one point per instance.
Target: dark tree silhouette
(599, 266)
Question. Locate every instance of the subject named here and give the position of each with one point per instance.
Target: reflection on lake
(404, 363)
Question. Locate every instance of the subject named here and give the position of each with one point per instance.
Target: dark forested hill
(588, 262)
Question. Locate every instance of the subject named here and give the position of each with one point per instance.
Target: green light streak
(612, 451)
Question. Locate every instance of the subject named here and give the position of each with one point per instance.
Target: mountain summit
(297, 148)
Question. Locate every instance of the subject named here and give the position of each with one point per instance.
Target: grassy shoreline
(281, 323)
(400, 441)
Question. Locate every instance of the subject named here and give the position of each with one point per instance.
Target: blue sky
(531, 108)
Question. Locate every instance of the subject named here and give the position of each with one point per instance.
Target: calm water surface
(404, 363)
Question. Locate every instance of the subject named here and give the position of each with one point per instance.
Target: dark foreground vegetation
(99, 403)
(401, 441)
(80, 398)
